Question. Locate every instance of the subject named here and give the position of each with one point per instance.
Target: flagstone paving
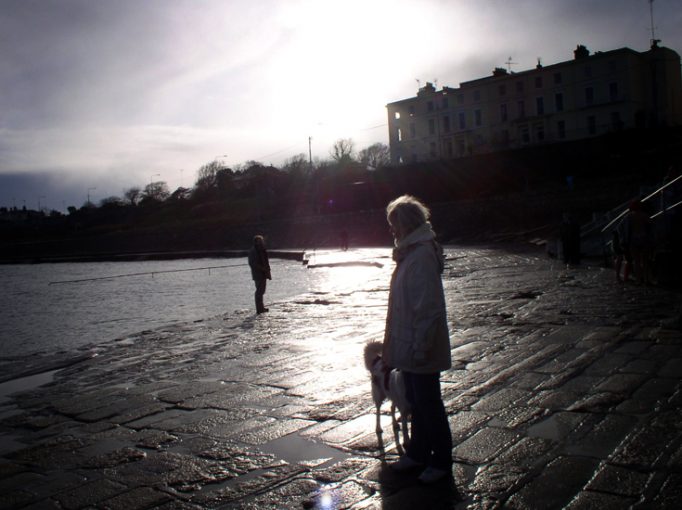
(566, 392)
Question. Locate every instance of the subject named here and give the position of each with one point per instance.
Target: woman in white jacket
(416, 340)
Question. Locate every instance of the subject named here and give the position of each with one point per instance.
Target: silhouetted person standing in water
(260, 270)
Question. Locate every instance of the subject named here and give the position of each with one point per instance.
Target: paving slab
(566, 392)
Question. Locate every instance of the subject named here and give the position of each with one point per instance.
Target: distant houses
(588, 96)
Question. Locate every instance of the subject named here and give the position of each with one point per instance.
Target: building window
(613, 91)
(396, 115)
(432, 150)
(616, 123)
(445, 103)
(540, 105)
(519, 86)
(540, 132)
(557, 78)
(432, 127)
(461, 147)
(589, 96)
(522, 109)
(429, 106)
(460, 98)
(413, 130)
(503, 89)
(446, 124)
(561, 129)
(449, 148)
(538, 82)
(477, 95)
(525, 134)
(559, 102)
(592, 125)
(462, 120)
(411, 110)
(478, 118)
(503, 112)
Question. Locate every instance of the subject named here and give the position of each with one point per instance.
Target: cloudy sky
(113, 94)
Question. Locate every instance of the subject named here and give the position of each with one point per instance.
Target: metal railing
(648, 197)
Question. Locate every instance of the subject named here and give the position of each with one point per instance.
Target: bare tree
(375, 156)
(297, 166)
(206, 175)
(156, 191)
(112, 201)
(343, 150)
(133, 195)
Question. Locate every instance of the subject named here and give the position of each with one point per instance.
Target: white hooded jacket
(417, 338)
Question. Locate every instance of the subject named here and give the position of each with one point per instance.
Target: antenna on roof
(539, 63)
(510, 63)
(654, 41)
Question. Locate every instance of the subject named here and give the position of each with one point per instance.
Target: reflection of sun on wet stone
(297, 450)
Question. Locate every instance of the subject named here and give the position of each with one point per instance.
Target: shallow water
(36, 316)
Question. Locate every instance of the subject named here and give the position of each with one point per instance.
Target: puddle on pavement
(8, 442)
(553, 428)
(296, 450)
(292, 449)
(24, 384)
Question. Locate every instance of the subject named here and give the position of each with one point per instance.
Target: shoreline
(142, 256)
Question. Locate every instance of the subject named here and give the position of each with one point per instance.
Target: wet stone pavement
(566, 392)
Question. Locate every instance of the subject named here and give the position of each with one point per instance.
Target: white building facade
(585, 97)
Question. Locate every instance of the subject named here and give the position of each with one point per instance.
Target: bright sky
(113, 94)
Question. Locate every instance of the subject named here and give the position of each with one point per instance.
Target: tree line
(249, 190)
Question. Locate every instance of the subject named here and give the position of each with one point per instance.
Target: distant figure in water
(570, 240)
(260, 270)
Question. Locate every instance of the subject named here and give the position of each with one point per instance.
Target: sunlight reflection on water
(37, 317)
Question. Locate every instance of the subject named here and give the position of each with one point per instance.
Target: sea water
(41, 313)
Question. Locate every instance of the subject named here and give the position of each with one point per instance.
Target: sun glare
(358, 273)
(341, 56)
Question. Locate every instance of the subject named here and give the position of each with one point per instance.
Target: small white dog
(389, 385)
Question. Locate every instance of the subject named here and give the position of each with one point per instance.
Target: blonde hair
(407, 212)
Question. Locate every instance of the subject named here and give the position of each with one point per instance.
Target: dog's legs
(406, 434)
(396, 430)
(379, 431)
(378, 427)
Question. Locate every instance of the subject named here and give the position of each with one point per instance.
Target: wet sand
(566, 391)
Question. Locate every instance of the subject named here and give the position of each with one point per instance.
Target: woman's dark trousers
(430, 438)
